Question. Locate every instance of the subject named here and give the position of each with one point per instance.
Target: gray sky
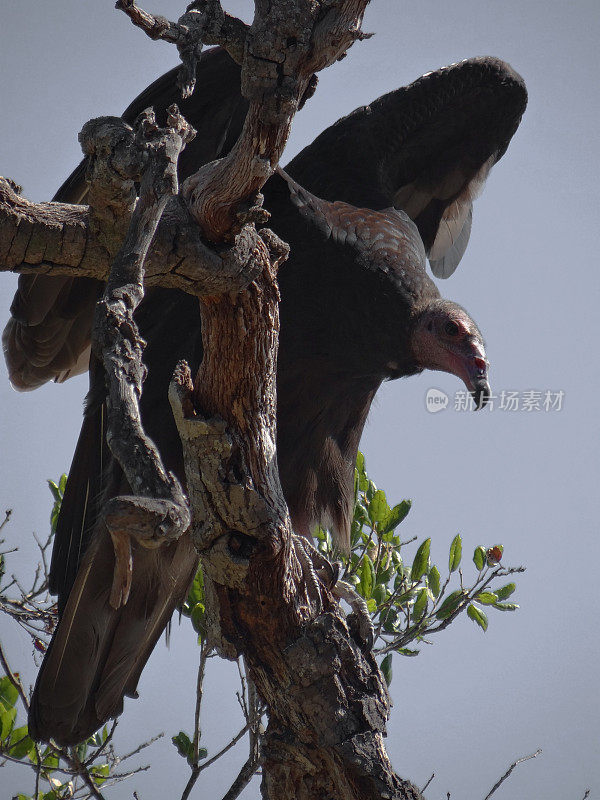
(473, 702)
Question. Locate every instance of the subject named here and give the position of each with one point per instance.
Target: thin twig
(121, 776)
(103, 746)
(242, 699)
(244, 777)
(227, 747)
(84, 774)
(428, 782)
(13, 679)
(199, 695)
(7, 514)
(198, 768)
(38, 769)
(509, 770)
(141, 747)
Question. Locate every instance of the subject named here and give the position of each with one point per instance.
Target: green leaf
(197, 617)
(506, 606)
(487, 598)
(8, 693)
(81, 750)
(406, 651)
(421, 561)
(55, 491)
(433, 579)
(360, 514)
(378, 507)
(455, 553)
(386, 668)
(505, 592)
(62, 484)
(99, 773)
(379, 594)
(384, 575)
(367, 577)
(22, 743)
(49, 758)
(371, 606)
(479, 558)
(389, 619)
(360, 463)
(395, 516)
(7, 719)
(405, 597)
(195, 594)
(420, 606)
(477, 615)
(450, 604)
(183, 744)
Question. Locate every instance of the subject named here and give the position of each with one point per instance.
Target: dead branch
(62, 239)
(508, 772)
(203, 23)
(159, 511)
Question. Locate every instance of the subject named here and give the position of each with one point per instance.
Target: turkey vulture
(376, 193)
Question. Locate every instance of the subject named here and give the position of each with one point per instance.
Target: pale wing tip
(445, 266)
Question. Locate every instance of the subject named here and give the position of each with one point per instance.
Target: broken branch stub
(287, 42)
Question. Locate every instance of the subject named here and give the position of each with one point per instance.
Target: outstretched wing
(48, 335)
(426, 148)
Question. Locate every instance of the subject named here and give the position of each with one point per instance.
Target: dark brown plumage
(357, 308)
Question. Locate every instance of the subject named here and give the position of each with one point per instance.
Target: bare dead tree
(270, 597)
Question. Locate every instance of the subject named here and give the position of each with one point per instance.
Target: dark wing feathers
(88, 478)
(420, 147)
(97, 653)
(48, 336)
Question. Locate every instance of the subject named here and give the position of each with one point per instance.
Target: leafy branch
(406, 598)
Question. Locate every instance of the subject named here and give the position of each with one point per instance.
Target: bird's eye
(451, 329)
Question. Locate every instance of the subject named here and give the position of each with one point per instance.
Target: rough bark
(159, 511)
(270, 596)
(62, 239)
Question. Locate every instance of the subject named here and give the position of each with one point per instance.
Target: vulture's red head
(445, 338)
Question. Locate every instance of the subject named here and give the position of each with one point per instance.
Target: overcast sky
(472, 703)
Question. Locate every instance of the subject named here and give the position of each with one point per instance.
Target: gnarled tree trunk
(270, 596)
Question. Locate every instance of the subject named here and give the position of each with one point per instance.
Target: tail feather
(98, 652)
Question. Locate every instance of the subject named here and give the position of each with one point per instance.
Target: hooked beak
(472, 368)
